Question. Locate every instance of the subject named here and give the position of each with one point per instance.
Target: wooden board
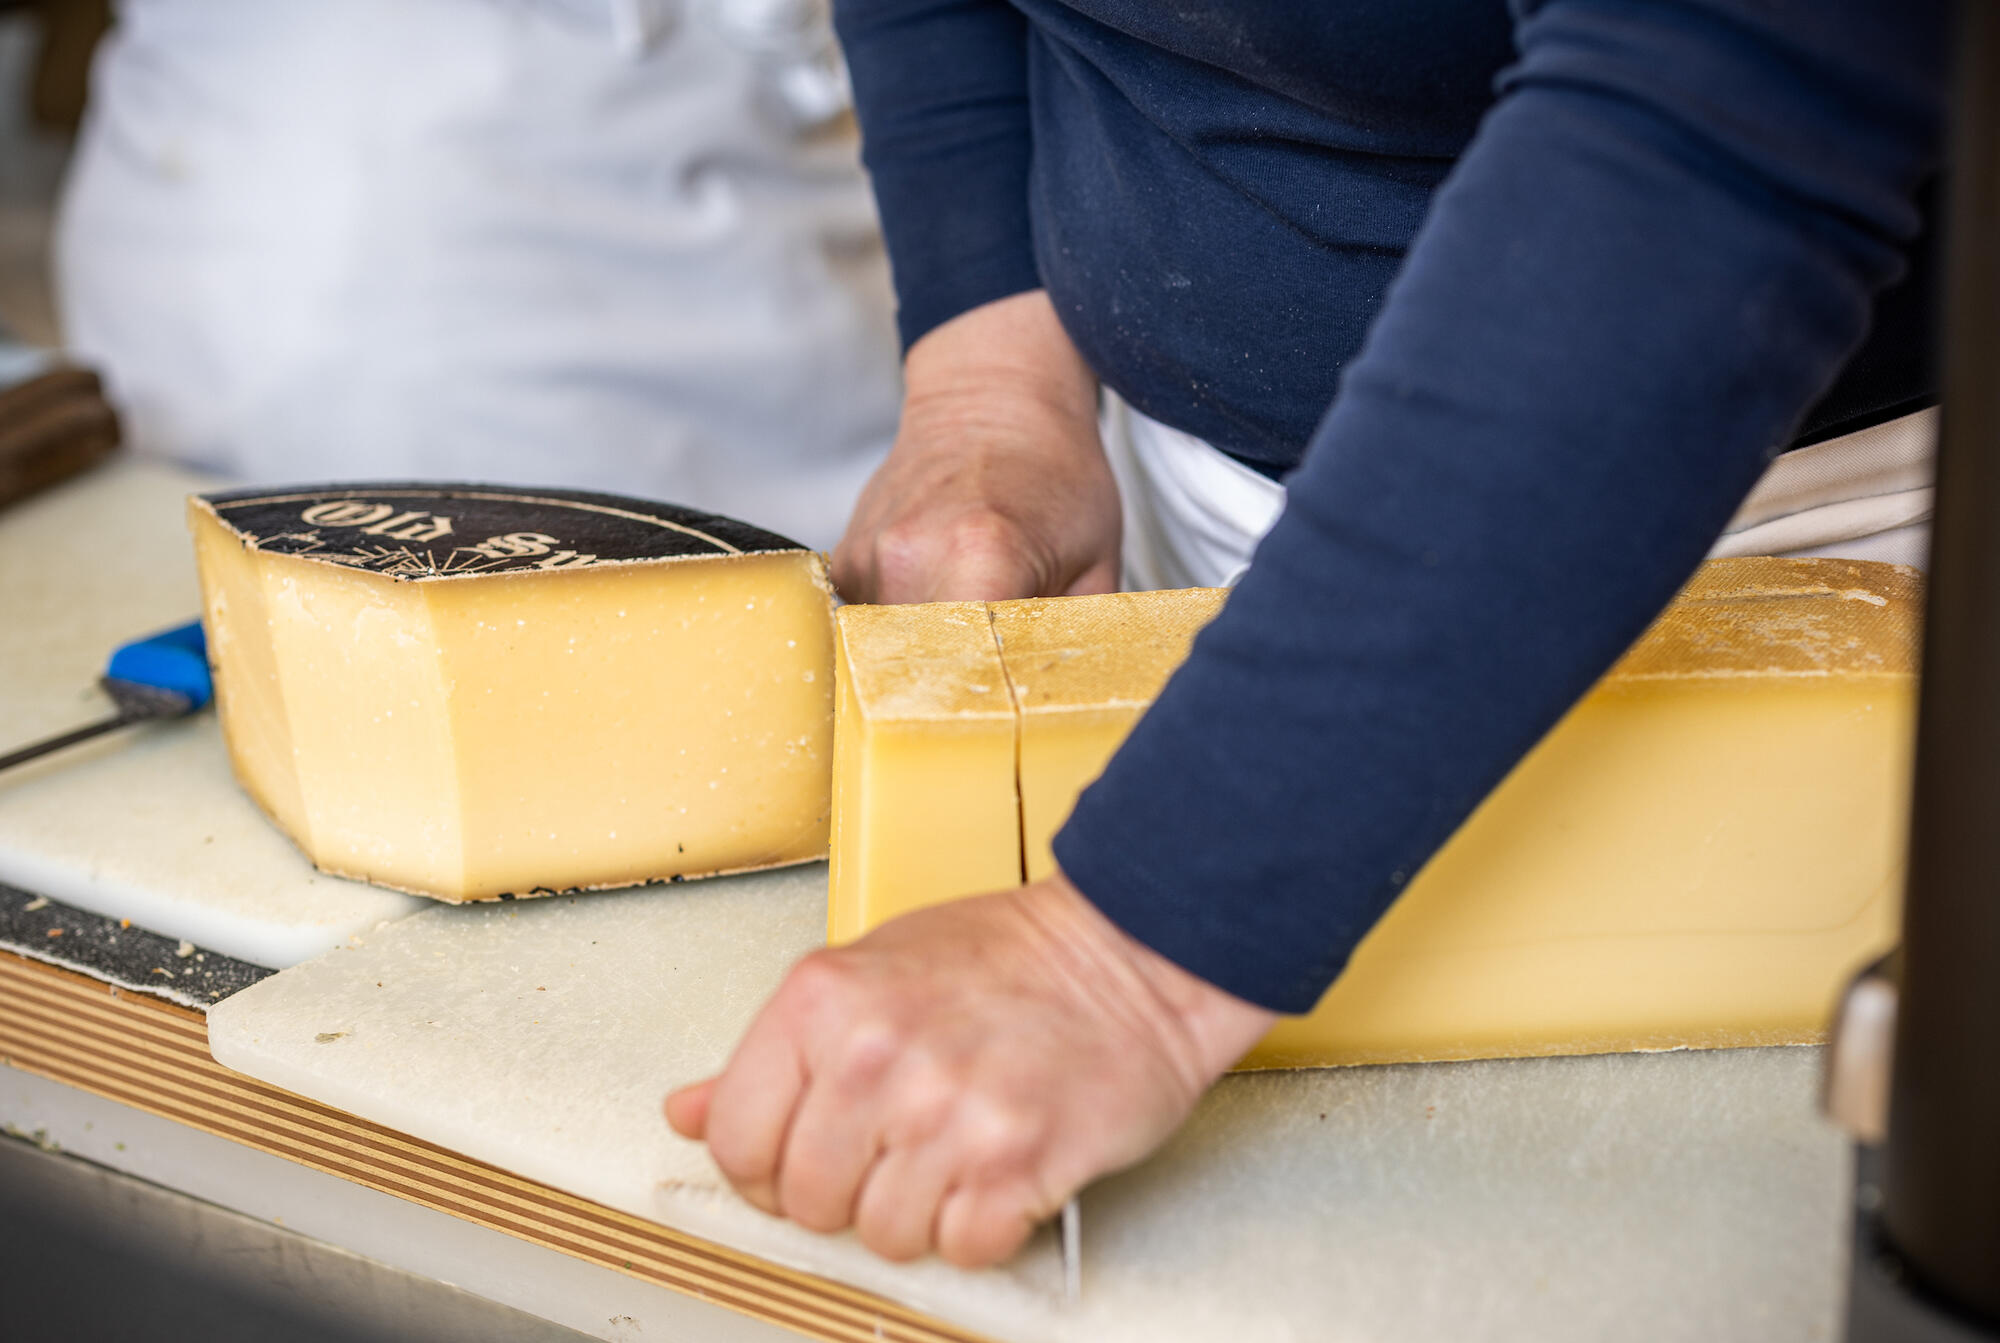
(154, 1056)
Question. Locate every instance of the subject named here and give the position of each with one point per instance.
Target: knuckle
(866, 1050)
(963, 1250)
(999, 1137)
(817, 982)
(807, 1191)
(811, 1202)
(986, 1231)
(925, 1096)
(757, 1194)
(739, 1157)
(982, 532)
(884, 1235)
(904, 549)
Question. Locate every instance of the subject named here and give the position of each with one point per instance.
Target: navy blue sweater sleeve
(1659, 248)
(941, 90)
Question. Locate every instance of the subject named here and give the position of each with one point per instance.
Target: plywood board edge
(153, 1056)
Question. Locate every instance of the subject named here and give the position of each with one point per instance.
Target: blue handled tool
(163, 675)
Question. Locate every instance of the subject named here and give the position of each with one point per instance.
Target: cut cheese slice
(924, 802)
(1082, 670)
(1698, 855)
(471, 693)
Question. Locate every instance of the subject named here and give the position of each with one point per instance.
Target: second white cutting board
(1692, 1196)
(146, 824)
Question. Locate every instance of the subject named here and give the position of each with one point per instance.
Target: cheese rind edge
(530, 730)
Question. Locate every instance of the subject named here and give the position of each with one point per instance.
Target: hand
(997, 485)
(951, 1079)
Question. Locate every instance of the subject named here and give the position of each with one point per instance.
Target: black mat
(119, 953)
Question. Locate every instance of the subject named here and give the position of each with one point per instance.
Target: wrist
(1012, 350)
(1197, 1028)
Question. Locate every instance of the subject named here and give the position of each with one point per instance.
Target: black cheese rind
(425, 530)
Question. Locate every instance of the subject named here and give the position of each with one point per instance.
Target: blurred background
(45, 50)
(608, 244)
(613, 244)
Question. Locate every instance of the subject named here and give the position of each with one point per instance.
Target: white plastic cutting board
(1681, 1196)
(145, 824)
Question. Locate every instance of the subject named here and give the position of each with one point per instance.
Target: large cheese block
(924, 791)
(1698, 855)
(472, 692)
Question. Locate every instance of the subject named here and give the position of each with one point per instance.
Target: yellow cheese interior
(1681, 863)
(522, 733)
(1082, 670)
(1698, 855)
(368, 716)
(924, 798)
(235, 618)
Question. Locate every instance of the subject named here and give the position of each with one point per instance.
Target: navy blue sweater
(1566, 277)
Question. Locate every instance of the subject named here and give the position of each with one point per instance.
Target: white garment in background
(621, 244)
(1863, 496)
(1193, 514)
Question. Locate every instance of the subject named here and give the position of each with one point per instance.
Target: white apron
(621, 244)
(1193, 514)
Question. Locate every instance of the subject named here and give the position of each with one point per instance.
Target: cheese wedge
(924, 799)
(470, 692)
(1698, 855)
(1082, 670)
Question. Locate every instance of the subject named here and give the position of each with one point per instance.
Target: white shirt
(1194, 515)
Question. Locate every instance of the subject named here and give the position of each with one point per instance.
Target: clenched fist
(997, 485)
(951, 1079)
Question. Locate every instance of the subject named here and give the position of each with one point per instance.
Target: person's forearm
(1013, 347)
(1659, 250)
(941, 91)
